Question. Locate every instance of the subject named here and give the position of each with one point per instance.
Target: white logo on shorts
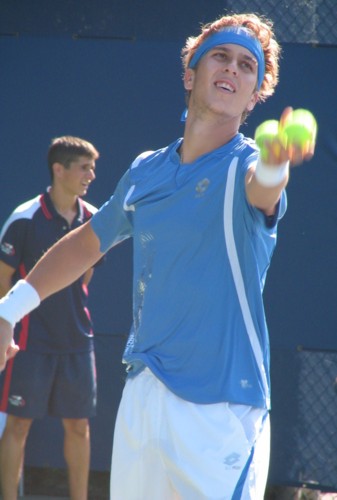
(231, 459)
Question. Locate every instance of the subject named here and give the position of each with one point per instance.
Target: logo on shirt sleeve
(15, 400)
(7, 248)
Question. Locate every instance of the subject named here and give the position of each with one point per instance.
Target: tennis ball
(267, 131)
(299, 128)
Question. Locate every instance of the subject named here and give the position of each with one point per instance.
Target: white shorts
(166, 448)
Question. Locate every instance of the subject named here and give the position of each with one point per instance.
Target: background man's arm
(6, 275)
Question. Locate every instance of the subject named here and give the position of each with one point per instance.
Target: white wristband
(18, 302)
(271, 175)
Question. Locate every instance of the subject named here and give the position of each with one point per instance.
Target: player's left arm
(266, 180)
(266, 197)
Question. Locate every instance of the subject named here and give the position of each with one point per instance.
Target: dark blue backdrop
(123, 92)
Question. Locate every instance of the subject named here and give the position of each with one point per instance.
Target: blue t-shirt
(201, 253)
(62, 321)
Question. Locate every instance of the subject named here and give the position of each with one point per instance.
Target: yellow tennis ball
(299, 128)
(267, 131)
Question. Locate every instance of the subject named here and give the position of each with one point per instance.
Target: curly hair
(261, 28)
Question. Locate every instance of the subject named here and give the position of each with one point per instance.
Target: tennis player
(203, 212)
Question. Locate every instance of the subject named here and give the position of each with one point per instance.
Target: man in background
(54, 372)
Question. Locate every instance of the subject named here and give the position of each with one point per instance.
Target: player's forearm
(65, 262)
(264, 197)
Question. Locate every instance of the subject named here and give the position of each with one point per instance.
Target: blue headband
(239, 36)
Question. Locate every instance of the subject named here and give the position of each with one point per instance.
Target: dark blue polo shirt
(62, 322)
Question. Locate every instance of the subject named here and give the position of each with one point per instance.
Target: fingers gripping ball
(299, 128)
(266, 132)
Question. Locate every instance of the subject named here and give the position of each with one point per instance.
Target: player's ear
(253, 100)
(188, 79)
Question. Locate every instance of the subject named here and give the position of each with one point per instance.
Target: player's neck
(202, 137)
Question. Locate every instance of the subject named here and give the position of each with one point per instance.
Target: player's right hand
(8, 348)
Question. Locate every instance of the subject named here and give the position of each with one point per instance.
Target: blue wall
(126, 96)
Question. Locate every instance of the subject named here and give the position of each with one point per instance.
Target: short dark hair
(67, 149)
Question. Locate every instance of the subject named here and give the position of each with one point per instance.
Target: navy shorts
(61, 385)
